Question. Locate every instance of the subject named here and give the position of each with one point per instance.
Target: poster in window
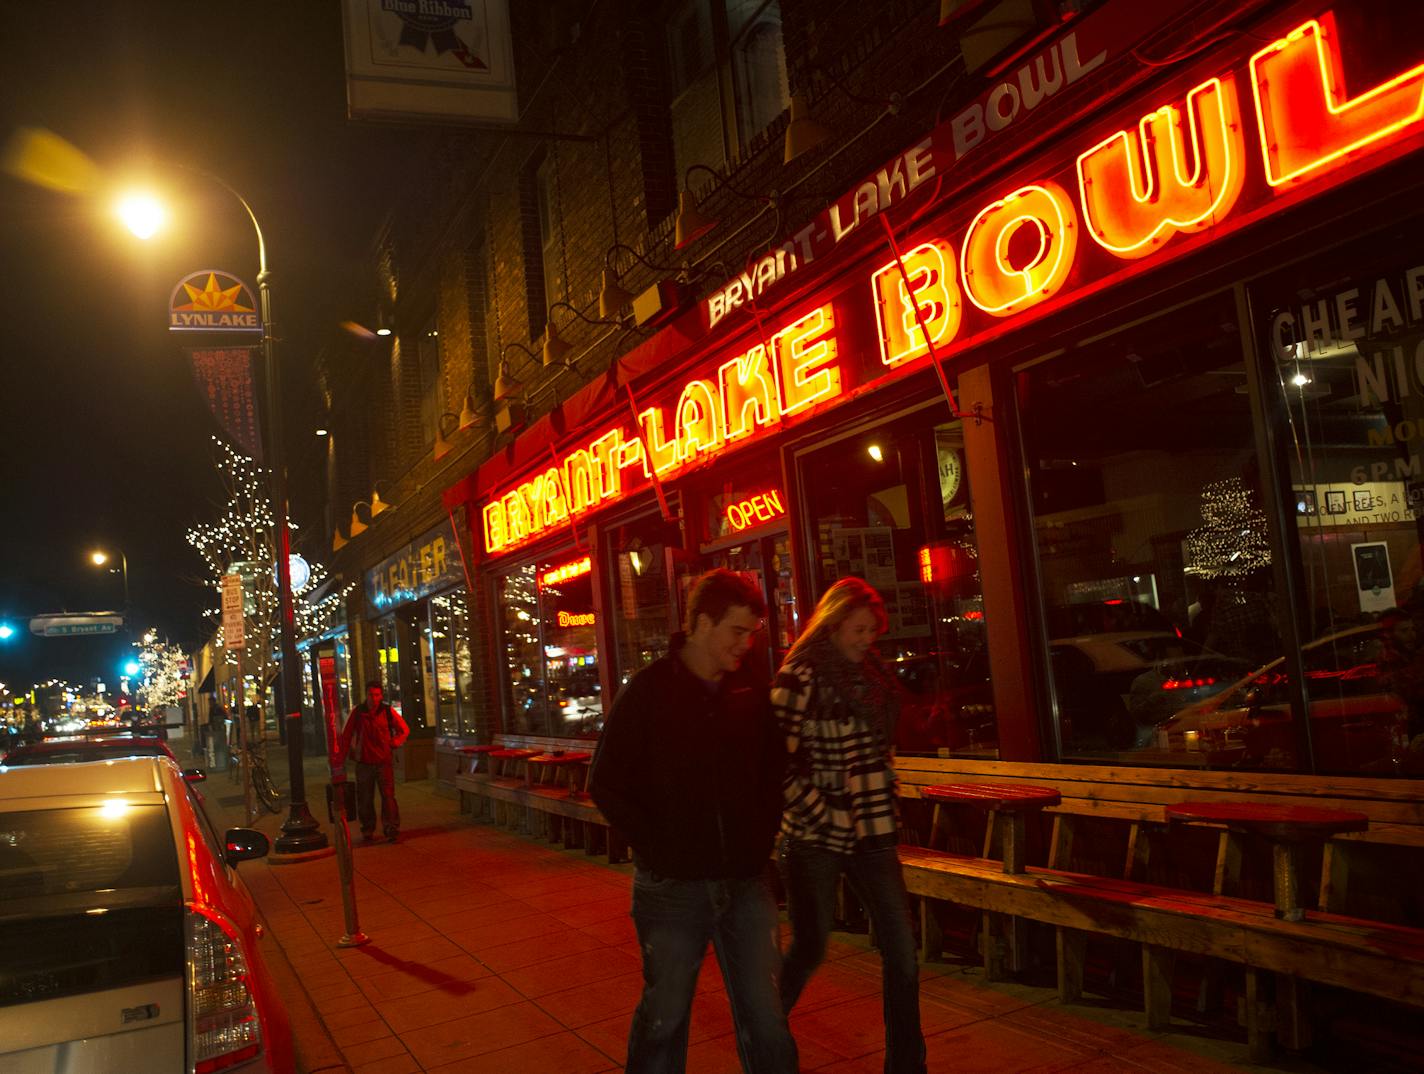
(864, 552)
(1373, 577)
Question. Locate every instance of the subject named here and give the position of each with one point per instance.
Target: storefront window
(464, 667)
(892, 506)
(551, 649)
(1344, 338)
(644, 618)
(448, 663)
(388, 659)
(343, 673)
(1153, 545)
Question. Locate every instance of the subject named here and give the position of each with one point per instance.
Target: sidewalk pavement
(494, 952)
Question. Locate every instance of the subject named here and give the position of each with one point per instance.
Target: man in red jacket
(376, 729)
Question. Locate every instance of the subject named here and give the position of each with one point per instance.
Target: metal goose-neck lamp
(803, 133)
(613, 296)
(692, 223)
(556, 348)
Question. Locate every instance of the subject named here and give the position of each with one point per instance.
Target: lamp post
(300, 831)
(99, 558)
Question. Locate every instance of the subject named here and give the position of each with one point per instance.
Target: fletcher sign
(429, 563)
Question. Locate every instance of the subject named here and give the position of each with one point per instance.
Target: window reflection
(551, 649)
(1343, 337)
(892, 506)
(1153, 544)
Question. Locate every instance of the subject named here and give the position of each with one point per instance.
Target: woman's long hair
(836, 605)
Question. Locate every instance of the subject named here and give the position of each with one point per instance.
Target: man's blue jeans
(875, 877)
(675, 921)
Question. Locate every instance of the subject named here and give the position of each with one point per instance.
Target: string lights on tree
(242, 540)
(1232, 542)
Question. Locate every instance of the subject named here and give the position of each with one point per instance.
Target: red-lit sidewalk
(491, 952)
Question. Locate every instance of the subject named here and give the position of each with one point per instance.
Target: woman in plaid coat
(837, 705)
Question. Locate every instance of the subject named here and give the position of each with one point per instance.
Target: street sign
(78, 625)
(232, 611)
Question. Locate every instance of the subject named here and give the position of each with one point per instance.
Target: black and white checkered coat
(840, 783)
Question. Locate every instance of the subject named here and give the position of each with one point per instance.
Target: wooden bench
(556, 810)
(1363, 956)
(1104, 861)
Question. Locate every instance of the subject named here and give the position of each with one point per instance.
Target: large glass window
(644, 616)
(714, 48)
(1153, 547)
(892, 506)
(388, 660)
(1343, 337)
(550, 649)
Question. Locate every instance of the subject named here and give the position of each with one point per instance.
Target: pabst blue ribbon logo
(212, 301)
(427, 23)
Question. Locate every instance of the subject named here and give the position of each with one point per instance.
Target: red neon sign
(754, 510)
(574, 569)
(1161, 178)
(1139, 189)
(798, 368)
(1305, 124)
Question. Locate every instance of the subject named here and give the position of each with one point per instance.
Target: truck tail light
(223, 1024)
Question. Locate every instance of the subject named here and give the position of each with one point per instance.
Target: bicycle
(264, 790)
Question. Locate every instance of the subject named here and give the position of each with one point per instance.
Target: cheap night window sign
(1229, 147)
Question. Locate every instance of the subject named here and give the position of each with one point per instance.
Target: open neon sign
(1178, 169)
(754, 510)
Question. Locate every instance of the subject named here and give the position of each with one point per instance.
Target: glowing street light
(142, 214)
(99, 558)
(301, 832)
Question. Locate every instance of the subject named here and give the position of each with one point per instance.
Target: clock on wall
(951, 473)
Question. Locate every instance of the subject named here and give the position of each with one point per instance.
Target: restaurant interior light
(875, 453)
(1300, 380)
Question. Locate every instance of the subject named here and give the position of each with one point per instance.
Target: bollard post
(338, 804)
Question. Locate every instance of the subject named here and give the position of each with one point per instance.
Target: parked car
(1114, 688)
(1356, 723)
(128, 941)
(947, 703)
(69, 749)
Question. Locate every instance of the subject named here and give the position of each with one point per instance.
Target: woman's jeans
(675, 921)
(875, 877)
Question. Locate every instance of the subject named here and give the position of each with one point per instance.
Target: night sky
(105, 439)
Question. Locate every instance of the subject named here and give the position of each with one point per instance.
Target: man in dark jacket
(376, 729)
(689, 772)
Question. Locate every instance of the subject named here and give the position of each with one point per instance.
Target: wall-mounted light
(469, 415)
(443, 446)
(383, 331)
(692, 222)
(803, 133)
(875, 453)
(322, 432)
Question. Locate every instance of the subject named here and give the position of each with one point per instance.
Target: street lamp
(99, 558)
(143, 216)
